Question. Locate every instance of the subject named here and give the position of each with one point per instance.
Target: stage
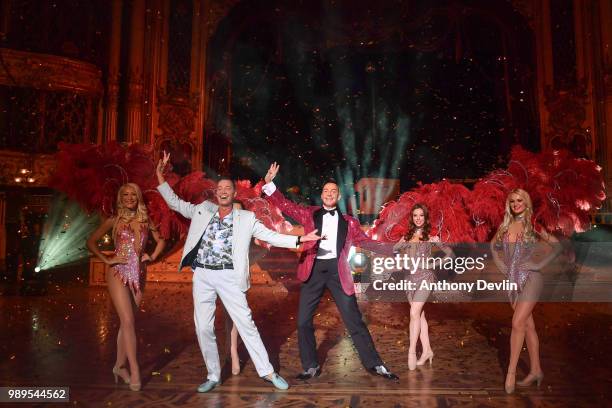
(67, 338)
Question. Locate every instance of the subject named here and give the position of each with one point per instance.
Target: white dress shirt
(329, 230)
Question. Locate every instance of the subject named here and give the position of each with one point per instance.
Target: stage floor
(67, 338)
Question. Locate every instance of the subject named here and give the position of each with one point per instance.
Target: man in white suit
(217, 249)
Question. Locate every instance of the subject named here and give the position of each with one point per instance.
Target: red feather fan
(563, 189)
(448, 215)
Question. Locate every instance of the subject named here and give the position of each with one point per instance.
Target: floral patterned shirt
(216, 243)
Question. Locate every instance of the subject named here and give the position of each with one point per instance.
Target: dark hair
(330, 180)
(413, 227)
(227, 177)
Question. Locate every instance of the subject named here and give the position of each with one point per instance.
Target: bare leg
(533, 347)
(523, 328)
(122, 300)
(424, 337)
(231, 336)
(119, 369)
(121, 356)
(234, 350)
(424, 334)
(522, 312)
(415, 328)
(531, 292)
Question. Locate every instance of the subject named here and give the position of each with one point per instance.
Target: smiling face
(418, 217)
(225, 193)
(129, 198)
(330, 195)
(517, 204)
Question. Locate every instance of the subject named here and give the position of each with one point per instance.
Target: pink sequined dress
(132, 272)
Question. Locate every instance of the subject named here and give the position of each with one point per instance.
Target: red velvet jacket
(349, 234)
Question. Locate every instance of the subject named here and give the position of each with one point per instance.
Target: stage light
(357, 261)
(65, 233)
(37, 269)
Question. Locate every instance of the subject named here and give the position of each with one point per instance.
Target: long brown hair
(413, 227)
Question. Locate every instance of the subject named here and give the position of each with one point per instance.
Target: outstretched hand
(161, 166)
(311, 236)
(272, 171)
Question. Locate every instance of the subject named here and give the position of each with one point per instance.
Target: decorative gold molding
(40, 165)
(49, 72)
(177, 112)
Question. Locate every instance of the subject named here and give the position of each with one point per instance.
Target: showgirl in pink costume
(126, 275)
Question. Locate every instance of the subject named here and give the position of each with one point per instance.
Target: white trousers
(207, 284)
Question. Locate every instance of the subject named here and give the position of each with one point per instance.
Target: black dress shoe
(310, 373)
(383, 372)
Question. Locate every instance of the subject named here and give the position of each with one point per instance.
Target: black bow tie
(330, 212)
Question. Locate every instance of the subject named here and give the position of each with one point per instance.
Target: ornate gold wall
(136, 93)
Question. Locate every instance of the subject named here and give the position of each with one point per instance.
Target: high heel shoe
(530, 379)
(412, 361)
(135, 386)
(425, 357)
(510, 387)
(117, 374)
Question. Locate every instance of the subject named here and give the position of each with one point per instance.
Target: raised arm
(184, 208)
(298, 212)
(174, 202)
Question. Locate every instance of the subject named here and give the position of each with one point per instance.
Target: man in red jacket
(324, 265)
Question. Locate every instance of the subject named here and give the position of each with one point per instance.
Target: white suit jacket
(245, 227)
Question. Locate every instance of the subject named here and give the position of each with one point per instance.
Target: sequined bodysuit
(417, 250)
(126, 246)
(516, 255)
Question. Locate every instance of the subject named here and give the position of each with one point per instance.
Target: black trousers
(325, 275)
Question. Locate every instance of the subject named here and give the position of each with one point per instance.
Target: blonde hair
(528, 231)
(124, 214)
